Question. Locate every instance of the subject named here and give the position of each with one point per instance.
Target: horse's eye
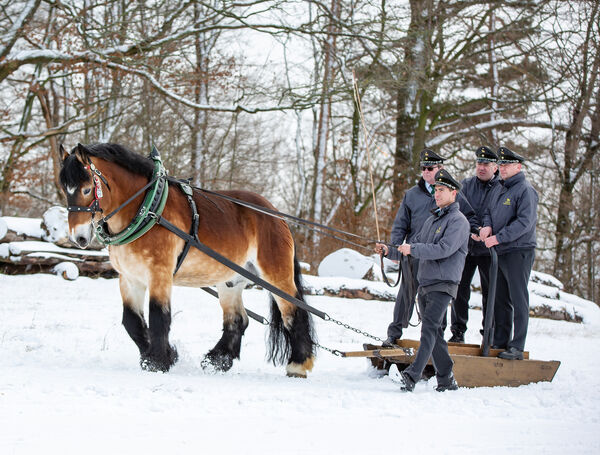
(87, 191)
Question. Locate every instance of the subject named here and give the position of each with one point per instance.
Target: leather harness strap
(189, 193)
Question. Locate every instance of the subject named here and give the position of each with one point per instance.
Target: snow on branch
(13, 34)
(60, 129)
(447, 137)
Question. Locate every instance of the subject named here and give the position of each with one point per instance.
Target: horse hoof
(159, 362)
(296, 375)
(300, 370)
(217, 362)
(153, 366)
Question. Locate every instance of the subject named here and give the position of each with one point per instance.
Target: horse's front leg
(133, 293)
(160, 355)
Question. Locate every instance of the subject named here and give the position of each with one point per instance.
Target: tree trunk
(329, 50)
(417, 57)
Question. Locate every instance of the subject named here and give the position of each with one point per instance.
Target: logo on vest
(437, 231)
(507, 202)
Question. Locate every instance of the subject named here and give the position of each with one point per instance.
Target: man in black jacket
(416, 207)
(440, 247)
(509, 225)
(475, 189)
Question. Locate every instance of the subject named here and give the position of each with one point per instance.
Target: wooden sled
(474, 365)
(471, 368)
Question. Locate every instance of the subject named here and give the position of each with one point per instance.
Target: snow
(318, 285)
(545, 278)
(70, 383)
(31, 227)
(346, 263)
(32, 245)
(67, 270)
(56, 222)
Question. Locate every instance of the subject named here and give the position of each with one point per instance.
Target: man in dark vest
(509, 226)
(475, 189)
(416, 207)
(440, 247)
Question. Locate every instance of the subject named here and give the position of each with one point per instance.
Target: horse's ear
(63, 154)
(81, 153)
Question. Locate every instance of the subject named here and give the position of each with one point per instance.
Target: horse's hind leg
(133, 293)
(291, 337)
(235, 321)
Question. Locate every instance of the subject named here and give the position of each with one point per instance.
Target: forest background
(258, 95)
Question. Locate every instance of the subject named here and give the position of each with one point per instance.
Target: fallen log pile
(41, 245)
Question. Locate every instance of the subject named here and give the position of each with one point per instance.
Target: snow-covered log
(67, 270)
(3, 228)
(33, 245)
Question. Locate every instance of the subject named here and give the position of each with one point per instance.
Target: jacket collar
(495, 179)
(517, 178)
(423, 187)
(438, 212)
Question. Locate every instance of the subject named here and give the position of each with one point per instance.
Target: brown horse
(101, 177)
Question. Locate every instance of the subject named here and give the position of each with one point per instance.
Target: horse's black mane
(73, 173)
(118, 154)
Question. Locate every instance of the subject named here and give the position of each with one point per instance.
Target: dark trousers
(511, 309)
(405, 300)
(433, 307)
(460, 305)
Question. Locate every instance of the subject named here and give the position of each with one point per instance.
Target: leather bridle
(94, 206)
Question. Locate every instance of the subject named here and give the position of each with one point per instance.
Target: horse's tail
(295, 345)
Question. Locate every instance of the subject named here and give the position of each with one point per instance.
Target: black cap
(486, 155)
(443, 177)
(506, 156)
(430, 158)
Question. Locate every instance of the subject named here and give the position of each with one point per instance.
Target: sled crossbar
(453, 348)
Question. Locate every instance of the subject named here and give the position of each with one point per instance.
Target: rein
(316, 227)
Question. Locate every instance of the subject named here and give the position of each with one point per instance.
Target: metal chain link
(346, 326)
(332, 351)
(349, 327)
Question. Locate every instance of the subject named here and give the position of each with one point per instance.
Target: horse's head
(82, 184)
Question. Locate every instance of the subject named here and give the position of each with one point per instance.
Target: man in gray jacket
(440, 248)
(509, 225)
(475, 189)
(416, 207)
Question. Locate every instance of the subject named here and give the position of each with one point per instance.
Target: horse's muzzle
(81, 235)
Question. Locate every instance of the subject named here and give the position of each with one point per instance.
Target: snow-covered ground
(70, 384)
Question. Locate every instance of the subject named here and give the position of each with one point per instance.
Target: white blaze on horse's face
(80, 223)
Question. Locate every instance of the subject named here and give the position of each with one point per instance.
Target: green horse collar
(148, 213)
